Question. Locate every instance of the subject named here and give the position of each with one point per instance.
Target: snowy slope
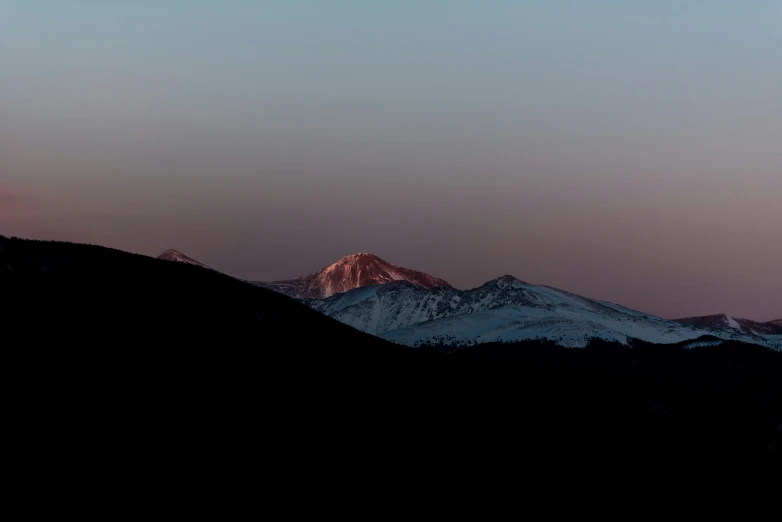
(354, 271)
(774, 341)
(726, 322)
(505, 309)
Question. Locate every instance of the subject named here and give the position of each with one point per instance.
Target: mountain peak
(361, 257)
(179, 257)
(505, 280)
(352, 271)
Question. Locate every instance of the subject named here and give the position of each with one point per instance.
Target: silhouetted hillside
(169, 360)
(111, 299)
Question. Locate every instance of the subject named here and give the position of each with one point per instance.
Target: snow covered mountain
(778, 322)
(410, 307)
(726, 322)
(354, 271)
(505, 309)
(179, 257)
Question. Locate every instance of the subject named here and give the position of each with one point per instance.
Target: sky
(625, 150)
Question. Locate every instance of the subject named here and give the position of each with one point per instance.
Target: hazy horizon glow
(624, 150)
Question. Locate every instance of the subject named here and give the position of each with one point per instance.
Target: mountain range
(173, 356)
(506, 310)
(414, 308)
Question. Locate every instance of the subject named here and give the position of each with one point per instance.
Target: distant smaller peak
(507, 280)
(170, 252)
(177, 256)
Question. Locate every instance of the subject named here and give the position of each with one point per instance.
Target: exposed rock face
(354, 271)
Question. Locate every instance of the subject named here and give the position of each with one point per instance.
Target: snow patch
(732, 323)
(702, 344)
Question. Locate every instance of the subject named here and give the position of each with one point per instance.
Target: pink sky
(626, 151)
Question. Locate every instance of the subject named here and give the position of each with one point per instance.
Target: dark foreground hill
(104, 298)
(151, 363)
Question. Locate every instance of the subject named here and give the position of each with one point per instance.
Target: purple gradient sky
(624, 150)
